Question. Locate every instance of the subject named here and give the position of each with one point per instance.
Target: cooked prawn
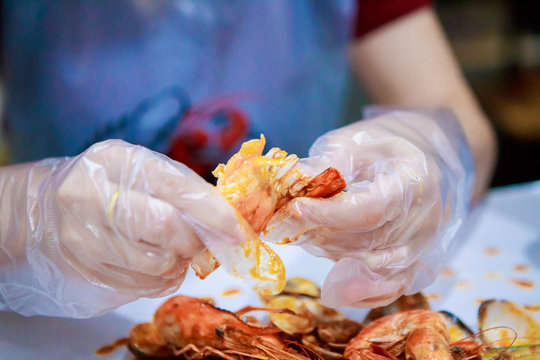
(419, 334)
(195, 328)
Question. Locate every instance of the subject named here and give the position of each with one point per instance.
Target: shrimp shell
(420, 334)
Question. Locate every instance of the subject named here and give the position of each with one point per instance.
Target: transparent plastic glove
(82, 235)
(409, 177)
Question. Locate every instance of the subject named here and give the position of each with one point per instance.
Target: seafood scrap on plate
(297, 326)
(258, 185)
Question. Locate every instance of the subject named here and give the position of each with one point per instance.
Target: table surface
(497, 256)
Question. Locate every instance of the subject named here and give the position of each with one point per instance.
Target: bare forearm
(409, 63)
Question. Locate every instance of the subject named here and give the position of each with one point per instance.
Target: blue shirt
(190, 78)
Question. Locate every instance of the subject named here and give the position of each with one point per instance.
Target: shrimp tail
(327, 184)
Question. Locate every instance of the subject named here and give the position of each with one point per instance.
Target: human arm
(82, 235)
(409, 63)
(409, 172)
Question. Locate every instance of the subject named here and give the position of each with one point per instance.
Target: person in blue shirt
(88, 224)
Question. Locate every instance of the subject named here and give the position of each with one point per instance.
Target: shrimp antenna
(305, 349)
(504, 349)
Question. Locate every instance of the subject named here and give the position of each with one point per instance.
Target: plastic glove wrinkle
(104, 228)
(408, 186)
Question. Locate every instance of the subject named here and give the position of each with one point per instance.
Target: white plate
(500, 247)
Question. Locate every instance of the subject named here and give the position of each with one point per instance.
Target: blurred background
(498, 45)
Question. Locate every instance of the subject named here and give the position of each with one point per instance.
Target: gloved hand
(409, 178)
(82, 235)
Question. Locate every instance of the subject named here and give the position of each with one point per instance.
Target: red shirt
(372, 14)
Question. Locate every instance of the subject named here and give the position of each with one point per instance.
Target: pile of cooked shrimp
(298, 326)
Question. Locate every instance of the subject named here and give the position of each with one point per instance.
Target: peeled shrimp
(257, 186)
